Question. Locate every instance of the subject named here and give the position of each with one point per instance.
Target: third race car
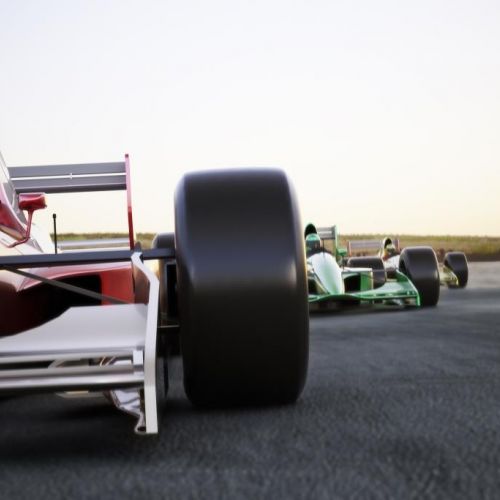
(453, 271)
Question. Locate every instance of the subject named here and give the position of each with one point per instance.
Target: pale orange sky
(385, 115)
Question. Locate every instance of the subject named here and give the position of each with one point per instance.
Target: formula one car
(453, 272)
(100, 321)
(332, 278)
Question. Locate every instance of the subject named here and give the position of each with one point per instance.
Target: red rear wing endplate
(129, 203)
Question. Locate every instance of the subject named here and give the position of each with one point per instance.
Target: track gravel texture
(398, 404)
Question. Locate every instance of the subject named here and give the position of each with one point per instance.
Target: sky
(385, 115)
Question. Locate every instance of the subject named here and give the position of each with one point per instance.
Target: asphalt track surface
(398, 404)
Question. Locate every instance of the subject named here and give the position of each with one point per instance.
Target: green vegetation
(476, 247)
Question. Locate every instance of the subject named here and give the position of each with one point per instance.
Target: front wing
(110, 348)
(398, 289)
(447, 277)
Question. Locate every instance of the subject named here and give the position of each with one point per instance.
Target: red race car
(230, 286)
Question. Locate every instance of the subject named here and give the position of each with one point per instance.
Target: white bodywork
(392, 262)
(93, 348)
(327, 272)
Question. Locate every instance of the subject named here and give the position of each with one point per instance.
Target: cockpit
(388, 249)
(313, 244)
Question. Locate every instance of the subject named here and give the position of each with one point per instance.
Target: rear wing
(363, 247)
(72, 178)
(330, 238)
(76, 178)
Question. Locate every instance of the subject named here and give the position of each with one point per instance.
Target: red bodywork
(26, 303)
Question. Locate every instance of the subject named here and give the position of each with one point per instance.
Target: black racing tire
(167, 300)
(457, 262)
(421, 266)
(167, 276)
(164, 240)
(375, 263)
(242, 288)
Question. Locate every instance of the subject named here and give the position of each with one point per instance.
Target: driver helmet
(313, 244)
(389, 248)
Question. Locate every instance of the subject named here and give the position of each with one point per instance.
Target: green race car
(453, 271)
(334, 279)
